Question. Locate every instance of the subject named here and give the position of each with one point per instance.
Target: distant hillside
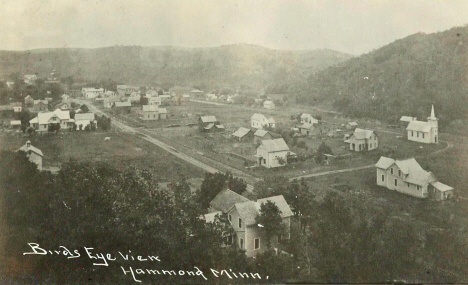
(402, 78)
(232, 65)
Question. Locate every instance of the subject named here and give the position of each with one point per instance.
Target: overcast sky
(349, 26)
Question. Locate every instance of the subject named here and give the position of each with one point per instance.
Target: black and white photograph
(233, 142)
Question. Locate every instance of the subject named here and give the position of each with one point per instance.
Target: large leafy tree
(269, 221)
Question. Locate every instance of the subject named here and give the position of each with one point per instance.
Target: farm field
(121, 151)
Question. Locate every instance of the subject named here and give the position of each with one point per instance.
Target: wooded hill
(232, 65)
(402, 78)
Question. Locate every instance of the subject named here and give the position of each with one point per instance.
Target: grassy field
(121, 151)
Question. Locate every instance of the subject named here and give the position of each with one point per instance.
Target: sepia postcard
(233, 142)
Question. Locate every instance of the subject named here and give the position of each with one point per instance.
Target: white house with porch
(44, 119)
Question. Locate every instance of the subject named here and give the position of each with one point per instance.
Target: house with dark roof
(242, 214)
(33, 154)
(243, 134)
(362, 140)
(424, 132)
(408, 177)
(273, 153)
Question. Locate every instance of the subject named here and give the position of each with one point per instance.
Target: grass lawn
(121, 151)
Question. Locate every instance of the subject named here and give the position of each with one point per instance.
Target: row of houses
(44, 120)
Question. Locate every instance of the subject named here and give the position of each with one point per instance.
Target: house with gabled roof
(351, 125)
(269, 105)
(82, 120)
(121, 107)
(91, 92)
(408, 177)
(308, 118)
(243, 134)
(43, 120)
(308, 129)
(424, 132)
(363, 140)
(273, 153)
(33, 154)
(259, 121)
(41, 105)
(242, 214)
(28, 101)
(261, 135)
(209, 124)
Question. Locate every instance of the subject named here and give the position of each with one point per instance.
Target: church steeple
(432, 117)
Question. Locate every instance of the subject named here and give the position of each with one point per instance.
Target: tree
(214, 183)
(302, 201)
(269, 221)
(143, 100)
(84, 108)
(321, 151)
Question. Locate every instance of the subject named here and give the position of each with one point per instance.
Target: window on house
(391, 170)
(399, 172)
(240, 223)
(412, 134)
(396, 182)
(419, 187)
(256, 243)
(407, 184)
(383, 178)
(423, 135)
(417, 134)
(230, 218)
(241, 243)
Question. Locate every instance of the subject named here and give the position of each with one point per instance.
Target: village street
(148, 136)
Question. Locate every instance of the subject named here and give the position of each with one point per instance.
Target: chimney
(28, 144)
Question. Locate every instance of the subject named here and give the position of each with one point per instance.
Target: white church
(424, 132)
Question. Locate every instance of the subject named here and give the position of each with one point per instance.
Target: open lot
(121, 151)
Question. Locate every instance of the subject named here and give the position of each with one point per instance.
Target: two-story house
(362, 140)
(407, 176)
(424, 132)
(41, 105)
(242, 214)
(259, 121)
(91, 93)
